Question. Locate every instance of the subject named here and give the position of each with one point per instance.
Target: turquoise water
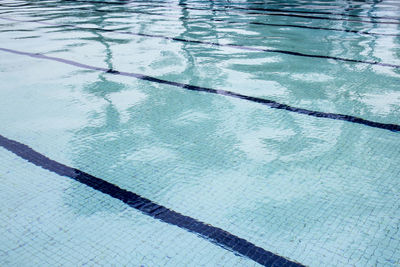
(317, 191)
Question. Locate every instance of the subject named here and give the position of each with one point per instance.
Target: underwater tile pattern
(56, 221)
(286, 181)
(147, 207)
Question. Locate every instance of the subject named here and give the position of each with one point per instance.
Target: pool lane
(305, 188)
(267, 102)
(48, 220)
(320, 192)
(146, 206)
(234, 46)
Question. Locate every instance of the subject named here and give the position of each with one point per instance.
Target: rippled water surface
(275, 121)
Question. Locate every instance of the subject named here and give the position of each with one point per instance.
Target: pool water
(255, 132)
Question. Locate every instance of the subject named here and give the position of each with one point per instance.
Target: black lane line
(211, 233)
(391, 4)
(271, 3)
(319, 28)
(313, 12)
(266, 102)
(307, 12)
(249, 22)
(241, 47)
(163, 2)
(284, 13)
(250, 8)
(299, 16)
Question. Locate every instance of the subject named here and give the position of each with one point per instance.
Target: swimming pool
(200, 133)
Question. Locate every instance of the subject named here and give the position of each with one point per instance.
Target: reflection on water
(164, 119)
(226, 161)
(159, 128)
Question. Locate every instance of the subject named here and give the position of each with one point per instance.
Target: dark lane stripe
(297, 16)
(285, 13)
(312, 12)
(241, 47)
(320, 18)
(233, 6)
(315, 28)
(269, 3)
(214, 234)
(241, 23)
(266, 102)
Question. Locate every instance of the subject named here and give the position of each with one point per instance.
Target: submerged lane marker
(249, 22)
(286, 13)
(214, 234)
(312, 12)
(266, 102)
(240, 47)
(234, 6)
